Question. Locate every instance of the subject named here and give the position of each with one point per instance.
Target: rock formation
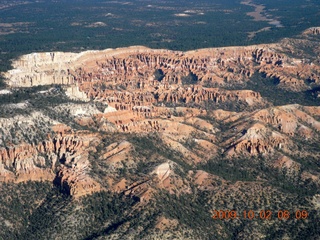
(66, 154)
(313, 31)
(176, 95)
(94, 72)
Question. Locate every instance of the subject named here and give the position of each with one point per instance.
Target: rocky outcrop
(23, 162)
(258, 140)
(289, 119)
(140, 90)
(312, 31)
(198, 94)
(291, 167)
(64, 154)
(138, 68)
(163, 171)
(41, 69)
(270, 130)
(73, 177)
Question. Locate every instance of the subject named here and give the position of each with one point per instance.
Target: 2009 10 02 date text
(262, 214)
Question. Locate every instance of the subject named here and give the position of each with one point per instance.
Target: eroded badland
(172, 115)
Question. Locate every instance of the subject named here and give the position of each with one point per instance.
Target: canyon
(159, 91)
(139, 121)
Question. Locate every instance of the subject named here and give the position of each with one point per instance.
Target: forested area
(80, 25)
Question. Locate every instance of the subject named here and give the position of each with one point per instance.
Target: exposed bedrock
(63, 158)
(143, 68)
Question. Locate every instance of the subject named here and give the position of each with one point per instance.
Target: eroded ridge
(196, 102)
(141, 68)
(62, 158)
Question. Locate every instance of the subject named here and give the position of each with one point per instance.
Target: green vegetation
(151, 151)
(191, 78)
(38, 98)
(158, 74)
(194, 212)
(72, 25)
(106, 214)
(268, 89)
(58, 215)
(18, 202)
(152, 144)
(230, 170)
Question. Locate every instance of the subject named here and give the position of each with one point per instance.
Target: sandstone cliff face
(134, 68)
(41, 69)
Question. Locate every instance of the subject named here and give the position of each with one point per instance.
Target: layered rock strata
(142, 91)
(134, 68)
(65, 154)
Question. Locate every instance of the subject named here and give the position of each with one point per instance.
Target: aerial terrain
(160, 119)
